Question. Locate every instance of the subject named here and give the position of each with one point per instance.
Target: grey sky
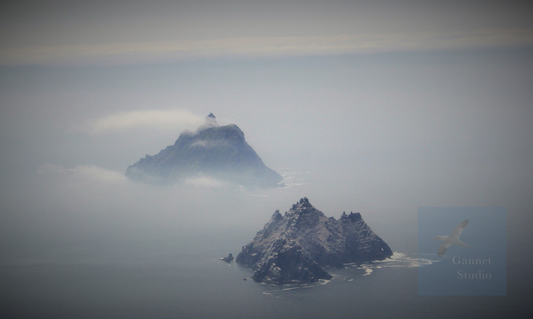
(110, 32)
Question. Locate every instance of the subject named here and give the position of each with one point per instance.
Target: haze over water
(425, 119)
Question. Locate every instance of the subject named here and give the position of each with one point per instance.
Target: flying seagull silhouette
(453, 238)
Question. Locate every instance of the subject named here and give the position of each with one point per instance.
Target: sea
(183, 277)
(156, 280)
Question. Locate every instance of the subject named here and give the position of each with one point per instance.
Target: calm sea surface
(154, 281)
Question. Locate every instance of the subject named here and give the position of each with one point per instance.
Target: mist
(379, 134)
(377, 107)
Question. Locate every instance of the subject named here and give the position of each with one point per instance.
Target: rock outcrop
(295, 247)
(220, 152)
(227, 259)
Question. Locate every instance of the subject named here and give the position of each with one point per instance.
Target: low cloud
(159, 119)
(98, 173)
(205, 182)
(85, 172)
(254, 47)
(209, 144)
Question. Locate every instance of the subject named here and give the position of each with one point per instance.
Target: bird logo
(452, 239)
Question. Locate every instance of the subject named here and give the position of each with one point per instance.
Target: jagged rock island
(295, 247)
(217, 151)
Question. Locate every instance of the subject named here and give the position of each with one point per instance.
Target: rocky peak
(210, 121)
(353, 217)
(217, 151)
(295, 247)
(302, 206)
(277, 215)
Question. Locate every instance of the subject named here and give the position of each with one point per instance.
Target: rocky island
(220, 152)
(295, 247)
(228, 259)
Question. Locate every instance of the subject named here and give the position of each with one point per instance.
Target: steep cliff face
(294, 248)
(217, 151)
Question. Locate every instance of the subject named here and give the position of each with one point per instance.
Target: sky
(129, 32)
(372, 106)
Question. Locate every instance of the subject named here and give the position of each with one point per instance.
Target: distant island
(216, 151)
(295, 247)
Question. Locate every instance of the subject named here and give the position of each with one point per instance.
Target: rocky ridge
(295, 247)
(220, 152)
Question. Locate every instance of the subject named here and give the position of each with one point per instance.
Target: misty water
(156, 280)
(377, 134)
(142, 268)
